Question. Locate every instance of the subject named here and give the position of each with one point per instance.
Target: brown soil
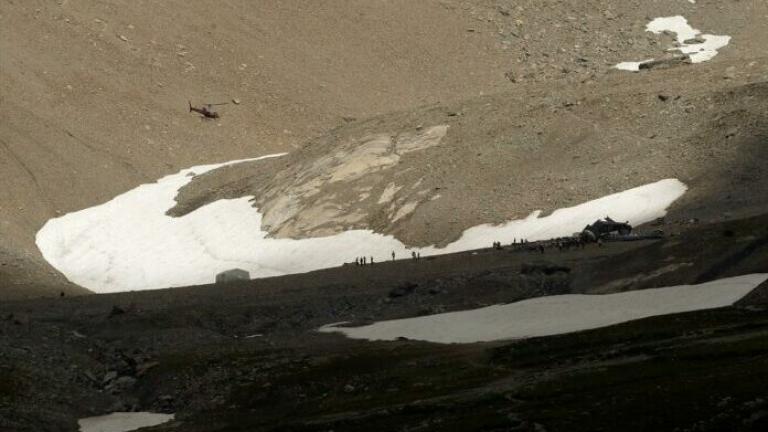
(507, 155)
(93, 96)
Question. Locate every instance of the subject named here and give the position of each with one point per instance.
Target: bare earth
(93, 101)
(412, 118)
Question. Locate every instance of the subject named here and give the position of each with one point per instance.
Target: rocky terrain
(246, 356)
(474, 165)
(416, 119)
(93, 96)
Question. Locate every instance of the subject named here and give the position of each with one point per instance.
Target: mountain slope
(93, 95)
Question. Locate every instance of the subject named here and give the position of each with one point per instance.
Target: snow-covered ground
(122, 421)
(546, 316)
(632, 66)
(700, 47)
(129, 243)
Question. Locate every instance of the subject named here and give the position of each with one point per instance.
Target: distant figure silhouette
(393, 255)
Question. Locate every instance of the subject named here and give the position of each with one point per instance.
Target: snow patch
(122, 421)
(631, 66)
(547, 316)
(129, 243)
(700, 47)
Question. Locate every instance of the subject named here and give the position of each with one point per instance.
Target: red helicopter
(207, 111)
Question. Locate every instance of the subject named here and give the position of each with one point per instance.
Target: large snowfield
(129, 243)
(547, 316)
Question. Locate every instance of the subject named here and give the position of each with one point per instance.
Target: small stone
(144, 367)
(118, 406)
(109, 377)
(90, 376)
(760, 415)
(236, 101)
(123, 38)
(123, 383)
(667, 61)
(116, 310)
(514, 419)
(724, 401)
(696, 40)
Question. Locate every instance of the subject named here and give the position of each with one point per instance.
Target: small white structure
(233, 275)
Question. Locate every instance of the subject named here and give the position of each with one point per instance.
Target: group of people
(515, 243)
(561, 243)
(361, 261)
